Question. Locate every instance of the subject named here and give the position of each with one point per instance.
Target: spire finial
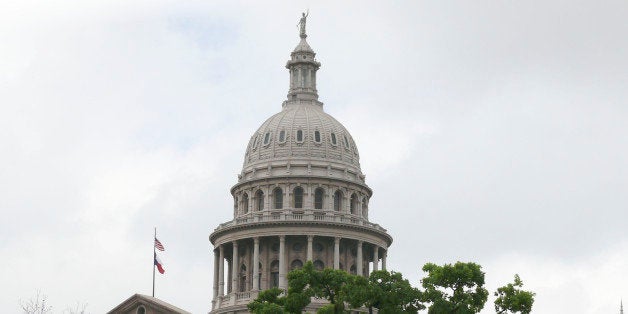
(302, 22)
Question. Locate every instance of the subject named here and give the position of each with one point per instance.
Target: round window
(318, 247)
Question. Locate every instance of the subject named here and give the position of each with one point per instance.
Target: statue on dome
(302, 23)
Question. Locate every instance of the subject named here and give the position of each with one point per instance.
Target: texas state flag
(159, 264)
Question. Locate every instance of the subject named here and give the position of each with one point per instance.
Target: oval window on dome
(282, 136)
(333, 139)
(317, 136)
(267, 138)
(299, 136)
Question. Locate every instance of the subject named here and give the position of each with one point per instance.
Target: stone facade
(301, 196)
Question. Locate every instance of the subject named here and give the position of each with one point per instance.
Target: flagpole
(154, 254)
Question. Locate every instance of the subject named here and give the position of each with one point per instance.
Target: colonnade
(221, 256)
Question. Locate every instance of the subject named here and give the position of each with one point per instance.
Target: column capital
(337, 240)
(282, 238)
(310, 238)
(256, 240)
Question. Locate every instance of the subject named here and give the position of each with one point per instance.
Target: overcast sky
(490, 131)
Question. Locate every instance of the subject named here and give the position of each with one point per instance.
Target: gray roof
(139, 299)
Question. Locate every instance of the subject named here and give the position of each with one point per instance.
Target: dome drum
(298, 194)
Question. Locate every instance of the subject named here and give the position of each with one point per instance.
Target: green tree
(511, 299)
(386, 291)
(454, 289)
(331, 285)
(268, 302)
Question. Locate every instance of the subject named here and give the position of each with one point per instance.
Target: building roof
(150, 303)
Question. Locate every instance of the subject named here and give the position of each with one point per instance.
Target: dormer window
(317, 136)
(299, 136)
(282, 136)
(267, 138)
(333, 139)
(347, 146)
(255, 141)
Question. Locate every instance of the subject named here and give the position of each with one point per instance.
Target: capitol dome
(302, 131)
(300, 197)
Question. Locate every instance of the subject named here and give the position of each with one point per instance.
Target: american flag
(158, 245)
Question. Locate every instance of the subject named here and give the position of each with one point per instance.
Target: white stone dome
(302, 132)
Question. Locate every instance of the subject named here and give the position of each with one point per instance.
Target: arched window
(365, 207)
(255, 141)
(278, 198)
(354, 204)
(274, 274)
(298, 197)
(353, 270)
(338, 201)
(319, 265)
(333, 139)
(346, 142)
(318, 198)
(259, 200)
(299, 136)
(259, 277)
(242, 278)
(317, 136)
(282, 136)
(245, 203)
(296, 264)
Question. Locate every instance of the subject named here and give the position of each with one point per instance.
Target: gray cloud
(489, 131)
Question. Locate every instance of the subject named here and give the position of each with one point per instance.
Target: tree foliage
(454, 289)
(449, 289)
(512, 299)
(386, 291)
(268, 302)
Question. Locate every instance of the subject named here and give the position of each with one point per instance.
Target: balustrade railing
(300, 215)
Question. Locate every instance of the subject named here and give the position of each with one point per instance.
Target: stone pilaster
(256, 263)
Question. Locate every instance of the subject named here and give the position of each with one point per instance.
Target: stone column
(384, 259)
(282, 262)
(255, 263)
(359, 209)
(221, 270)
(336, 253)
(267, 198)
(360, 262)
(216, 272)
(234, 268)
(375, 258)
(251, 200)
(330, 198)
(310, 239)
